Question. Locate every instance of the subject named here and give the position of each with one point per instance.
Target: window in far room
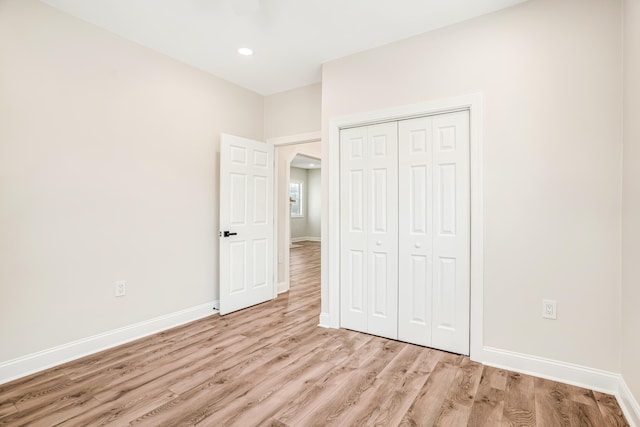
(295, 197)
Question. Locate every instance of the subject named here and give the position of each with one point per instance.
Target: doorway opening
(294, 157)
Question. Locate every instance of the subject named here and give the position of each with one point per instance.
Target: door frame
(298, 139)
(330, 278)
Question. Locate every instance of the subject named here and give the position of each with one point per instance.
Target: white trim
(282, 287)
(325, 320)
(628, 403)
(306, 239)
(45, 359)
(276, 213)
(330, 288)
(555, 370)
(569, 373)
(301, 138)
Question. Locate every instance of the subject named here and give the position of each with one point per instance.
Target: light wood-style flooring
(271, 365)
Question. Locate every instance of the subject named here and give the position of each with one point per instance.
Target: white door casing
(369, 226)
(434, 249)
(246, 209)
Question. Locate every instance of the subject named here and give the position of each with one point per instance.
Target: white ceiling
(304, 162)
(290, 38)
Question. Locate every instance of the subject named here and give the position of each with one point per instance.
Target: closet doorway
(333, 291)
(404, 239)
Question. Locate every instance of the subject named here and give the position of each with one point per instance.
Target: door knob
(418, 245)
(378, 242)
(228, 233)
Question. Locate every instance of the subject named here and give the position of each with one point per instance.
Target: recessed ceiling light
(245, 51)
(311, 164)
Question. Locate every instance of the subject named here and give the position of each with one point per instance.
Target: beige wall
(107, 172)
(293, 112)
(550, 74)
(631, 199)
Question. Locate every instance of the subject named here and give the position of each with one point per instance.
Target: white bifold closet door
(434, 243)
(405, 227)
(369, 229)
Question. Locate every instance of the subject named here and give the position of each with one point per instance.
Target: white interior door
(369, 227)
(246, 223)
(434, 254)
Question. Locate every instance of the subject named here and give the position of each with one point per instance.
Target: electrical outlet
(121, 288)
(549, 309)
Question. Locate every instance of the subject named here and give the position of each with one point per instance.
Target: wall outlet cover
(549, 309)
(121, 288)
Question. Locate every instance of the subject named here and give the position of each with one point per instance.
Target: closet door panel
(451, 290)
(353, 229)
(415, 254)
(383, 230)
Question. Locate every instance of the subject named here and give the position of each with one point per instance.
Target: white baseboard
(45, 359)
(628, 403)
(325, 320)
(305, 239)
(581, 376)
(282, 287)
(551, 369)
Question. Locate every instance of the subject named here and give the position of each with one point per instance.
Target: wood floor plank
(146, 376)
(426, 408)
(7, 408)
(273, 393)
(394, 390)
(488, 405)
(611, 412)
(274, 400)
(349, 397)
(552, 405)
(497, 377)
(519, 402)
(466, 383)
(58, 409)
(452, 414)
(580, 395)
(271, 365)
(157, 346)
(9, 392)
(585, 415)
(129, 407)
(328, 397)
